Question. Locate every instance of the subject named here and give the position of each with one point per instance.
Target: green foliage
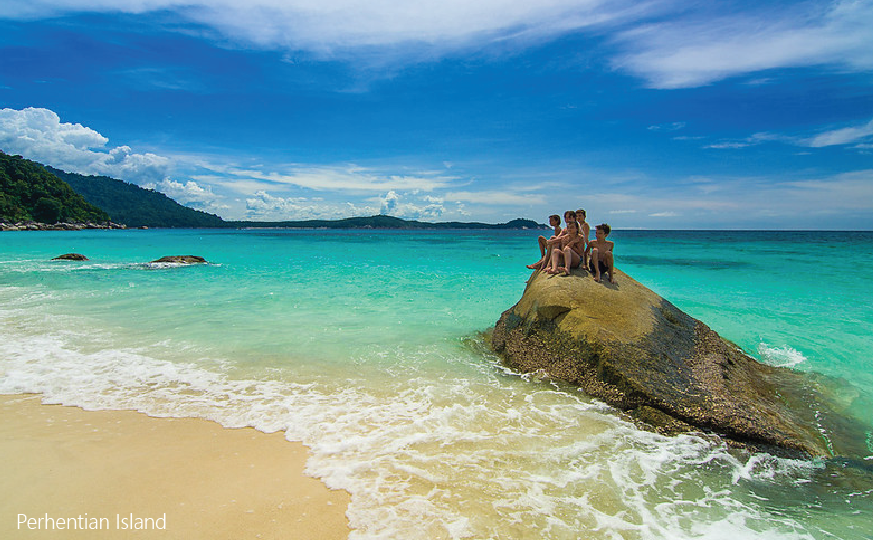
(135, 206)
(28, 192)
(47, 210)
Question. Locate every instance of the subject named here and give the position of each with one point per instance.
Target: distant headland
(35, 197)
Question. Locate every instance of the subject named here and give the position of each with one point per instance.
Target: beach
(130, 475)
(378, 362)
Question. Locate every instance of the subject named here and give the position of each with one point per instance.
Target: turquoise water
(366, 346)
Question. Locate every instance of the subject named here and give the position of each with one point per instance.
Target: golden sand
(120, 469)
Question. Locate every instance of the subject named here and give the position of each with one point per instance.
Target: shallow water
(365, 346)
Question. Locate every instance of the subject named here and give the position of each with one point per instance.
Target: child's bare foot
(597, 278)
(534, 266)
(611, 279)
(563, 269)
(550, 271)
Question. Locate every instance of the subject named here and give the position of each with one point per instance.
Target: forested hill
(135, 206)
(28, 192)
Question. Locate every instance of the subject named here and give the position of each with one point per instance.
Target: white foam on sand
(484, 456)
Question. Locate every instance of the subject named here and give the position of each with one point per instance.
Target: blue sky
(660, 115)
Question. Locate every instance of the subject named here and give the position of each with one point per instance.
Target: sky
(657, 114)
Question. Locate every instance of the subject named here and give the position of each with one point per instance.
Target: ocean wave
(780, 356)
(485, 456)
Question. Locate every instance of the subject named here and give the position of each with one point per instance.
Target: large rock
(626, 345)
(71, 257)
(181, 259)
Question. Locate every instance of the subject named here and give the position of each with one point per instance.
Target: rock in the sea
(181, 259)
(71, 257)
(627, 346)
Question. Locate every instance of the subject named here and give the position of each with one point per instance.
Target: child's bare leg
(537, 265)
(547, 258)
(607, 258)
(553, 264)
(543, 243)
(571, 260)
(596, 262)
(562, 254)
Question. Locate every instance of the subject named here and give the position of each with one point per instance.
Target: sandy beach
(121, 474)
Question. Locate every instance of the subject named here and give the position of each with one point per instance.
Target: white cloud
(263, 206)
(836, 201)
(191, 194)
(331, 26)
(392, 205)
(498, 198)
(389, 203)
(697, 50)
(346, 178)
(670, 126)
(39, 134)
(699, 43)
(846, 135)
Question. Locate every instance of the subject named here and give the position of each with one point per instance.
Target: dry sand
(210, 482)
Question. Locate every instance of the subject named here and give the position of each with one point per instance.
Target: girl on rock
(571, 251)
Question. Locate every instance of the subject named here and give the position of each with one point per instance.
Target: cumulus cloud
(427, 207)
(190, 194)
(40, 135)
(263, 206)
(389, 203)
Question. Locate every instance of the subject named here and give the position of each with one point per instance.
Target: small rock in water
(71, 257)
(181, 259)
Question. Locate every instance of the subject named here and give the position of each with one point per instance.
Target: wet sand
(120, 470)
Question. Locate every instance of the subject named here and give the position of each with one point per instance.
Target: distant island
(385, 222)
(32, 192)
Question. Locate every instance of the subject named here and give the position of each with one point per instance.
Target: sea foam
(780, 356)
(451, 457)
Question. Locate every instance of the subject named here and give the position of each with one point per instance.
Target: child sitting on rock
(601, 259)
(553, 242)
(554, 221)
(571, 249)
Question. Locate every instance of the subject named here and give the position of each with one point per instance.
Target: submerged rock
(71, 257)
(622, 343)
(181, 259)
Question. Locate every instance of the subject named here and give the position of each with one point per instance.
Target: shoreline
(71, 472)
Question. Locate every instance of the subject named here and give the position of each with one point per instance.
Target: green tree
(47, 210)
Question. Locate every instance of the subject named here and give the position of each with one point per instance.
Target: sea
(370, 347)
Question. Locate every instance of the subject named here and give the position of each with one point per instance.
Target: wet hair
(555, 217)
(581, 211)
(570, 213)
(605, 228)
